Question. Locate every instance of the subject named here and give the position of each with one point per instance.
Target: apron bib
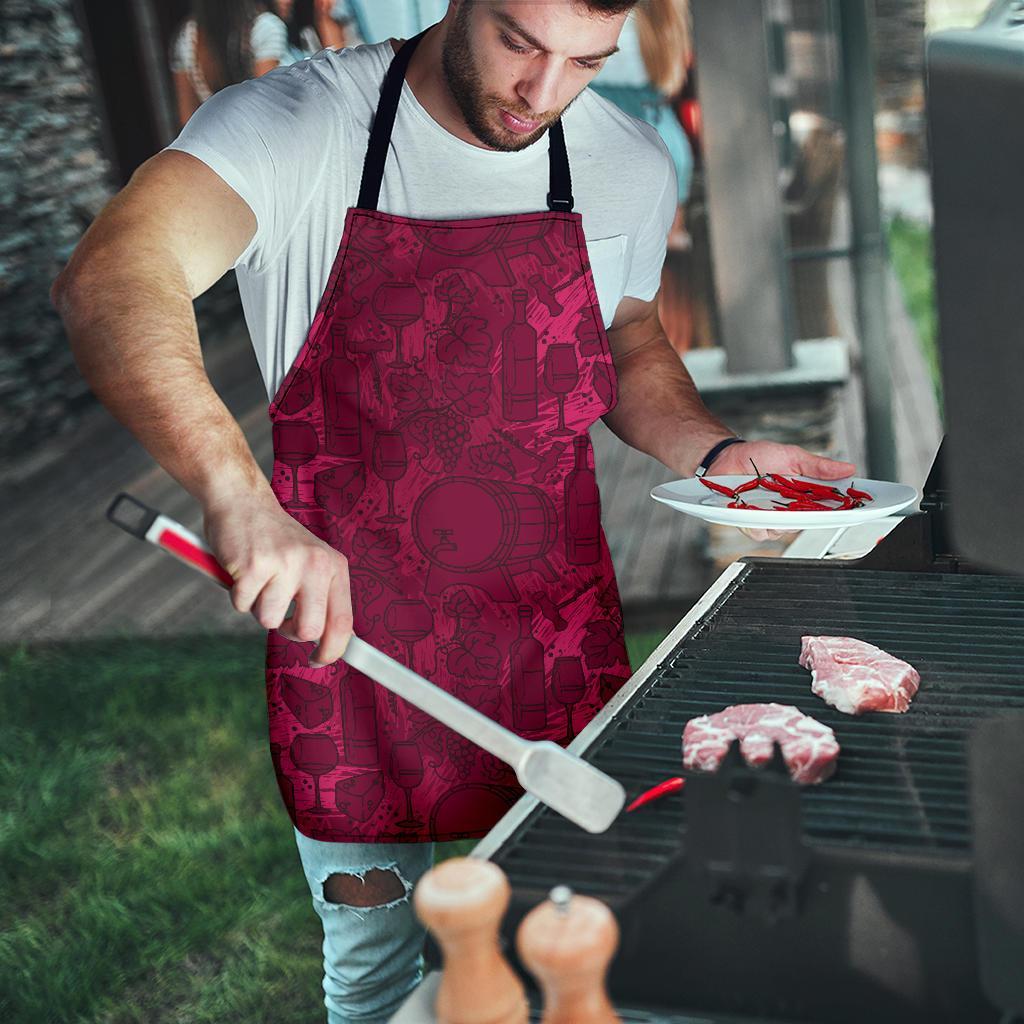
(434, 430)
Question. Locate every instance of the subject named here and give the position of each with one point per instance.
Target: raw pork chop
(808, 747)
(855, 677)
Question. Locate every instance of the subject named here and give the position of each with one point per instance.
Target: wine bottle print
(529, 696)
(519, 364)
(339, 387)
(359, 720)
(582, 510)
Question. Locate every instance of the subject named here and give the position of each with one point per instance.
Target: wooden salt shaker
(462, 901)
(567, 943)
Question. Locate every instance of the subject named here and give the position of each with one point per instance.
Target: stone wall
(54, 178)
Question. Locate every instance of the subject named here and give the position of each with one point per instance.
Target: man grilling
(448, 252)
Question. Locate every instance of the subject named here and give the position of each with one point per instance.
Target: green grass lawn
(910, 248)
(148, 871)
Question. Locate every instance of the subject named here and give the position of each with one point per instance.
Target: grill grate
(901, 784)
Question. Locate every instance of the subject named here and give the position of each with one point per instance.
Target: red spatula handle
(147, 524)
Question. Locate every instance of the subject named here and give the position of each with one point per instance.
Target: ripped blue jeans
(373, 956)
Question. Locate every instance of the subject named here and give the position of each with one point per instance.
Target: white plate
(693, 498)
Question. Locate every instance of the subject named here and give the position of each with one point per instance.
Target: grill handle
(744, 835)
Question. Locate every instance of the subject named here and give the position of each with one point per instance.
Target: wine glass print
(295, 444)
(316, 755)
(398, 304)
(390, 464)
(567, 687)
(407, 622)
(406, 769)
(561, 375)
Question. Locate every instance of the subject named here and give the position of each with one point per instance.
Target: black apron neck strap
(383, 122)
(560, 186)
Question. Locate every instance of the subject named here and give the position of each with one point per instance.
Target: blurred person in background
(221, 43)
(313, 25)
(375, 20)
(646, 77)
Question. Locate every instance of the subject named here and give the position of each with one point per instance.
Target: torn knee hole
(376, 888)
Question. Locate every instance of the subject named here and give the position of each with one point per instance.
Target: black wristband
(705, 463)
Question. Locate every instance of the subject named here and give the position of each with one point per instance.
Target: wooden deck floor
(67, 572)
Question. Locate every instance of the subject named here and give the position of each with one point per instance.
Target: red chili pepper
(660, 790)
(786, 492)
(806, 505)
(809, 487)
(719, 488)
(862, 495)
(750, 485)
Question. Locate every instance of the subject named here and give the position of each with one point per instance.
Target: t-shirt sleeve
(269, 139)
(652, 237)
(269, 38)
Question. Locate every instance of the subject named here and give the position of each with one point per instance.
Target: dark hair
(225, 26)
(301, 17)
(609, 6)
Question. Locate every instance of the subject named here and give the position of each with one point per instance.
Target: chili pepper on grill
(660, 790)
(719, 488)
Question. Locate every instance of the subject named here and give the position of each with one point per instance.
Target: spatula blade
(571, 786)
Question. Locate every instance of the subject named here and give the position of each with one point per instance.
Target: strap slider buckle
(559, 205)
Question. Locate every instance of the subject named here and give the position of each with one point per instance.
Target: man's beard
(464, 82)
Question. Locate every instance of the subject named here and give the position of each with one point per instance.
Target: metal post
(857, 69)
(742, 173)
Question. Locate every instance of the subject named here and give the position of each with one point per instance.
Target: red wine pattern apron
(434, 430)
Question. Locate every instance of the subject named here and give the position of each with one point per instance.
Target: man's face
(513, 66)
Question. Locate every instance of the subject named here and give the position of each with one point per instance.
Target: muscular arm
(126, 301)
(659, 410)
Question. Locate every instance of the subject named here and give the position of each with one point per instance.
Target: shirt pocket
(608, 266)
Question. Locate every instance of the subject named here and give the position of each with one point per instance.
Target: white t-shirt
(292, 143)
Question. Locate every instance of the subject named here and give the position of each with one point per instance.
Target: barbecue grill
(895, 890)
(747, 896)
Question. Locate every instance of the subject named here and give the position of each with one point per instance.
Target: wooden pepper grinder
(567, 943)
(462, 902)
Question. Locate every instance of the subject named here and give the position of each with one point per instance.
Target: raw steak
(855, 677)
(808, 747)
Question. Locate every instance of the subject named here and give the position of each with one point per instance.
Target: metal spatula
(564, 782)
